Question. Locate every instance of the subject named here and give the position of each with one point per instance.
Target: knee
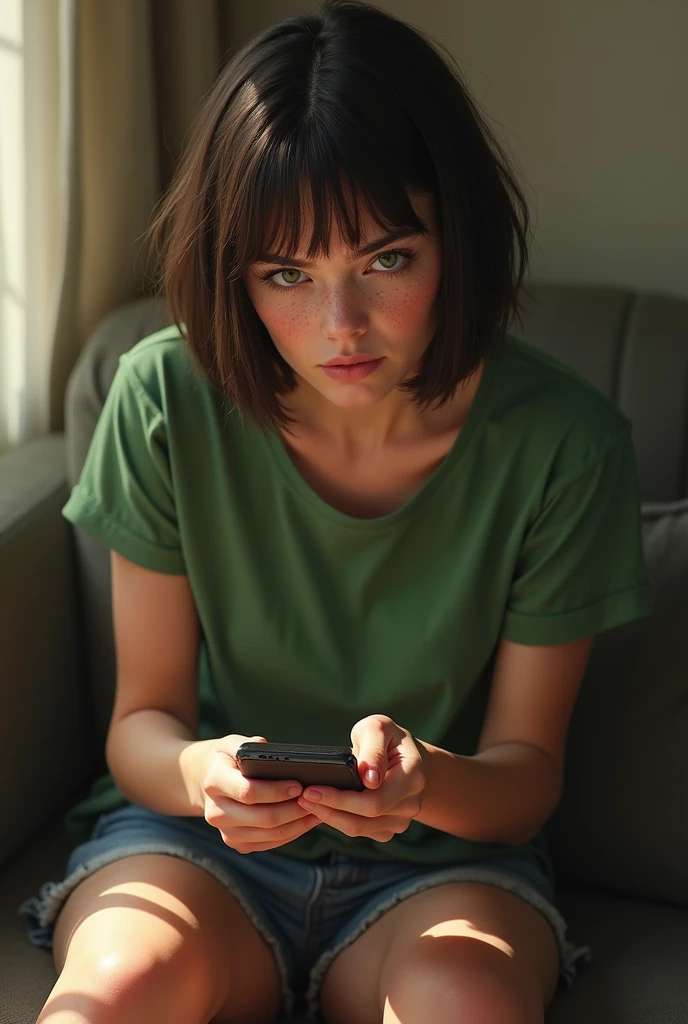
(112, 984)
(126, 979)
(453, 981)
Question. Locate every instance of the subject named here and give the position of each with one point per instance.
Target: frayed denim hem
(571, 957)
(41, 911)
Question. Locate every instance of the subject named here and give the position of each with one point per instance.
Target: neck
(369, 431)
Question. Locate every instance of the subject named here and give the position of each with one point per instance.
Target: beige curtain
(103, 93)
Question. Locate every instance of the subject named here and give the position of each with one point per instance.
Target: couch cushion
(634, 347)
(622, 822)
(45, 741)
(639, 951)
(27, 974)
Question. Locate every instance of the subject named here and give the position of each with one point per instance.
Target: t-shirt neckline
(470, 428)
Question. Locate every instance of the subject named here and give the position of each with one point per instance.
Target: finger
(247, 840)
(401, 781)
(355, 825)
(263, 791)
(392, 797)
(370, 803)
(258, 815)
(226, 779)
(371, 738)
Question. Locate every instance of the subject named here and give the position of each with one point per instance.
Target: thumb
(372, 761)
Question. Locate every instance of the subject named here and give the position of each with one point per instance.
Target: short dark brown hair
(321, 111)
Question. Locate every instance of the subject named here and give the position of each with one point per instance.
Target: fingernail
(313, 795)
(294, 791)
(372, 775)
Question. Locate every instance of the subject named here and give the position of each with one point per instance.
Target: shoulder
(161, 368)
(555, 408)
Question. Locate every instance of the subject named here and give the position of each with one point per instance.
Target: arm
(154, 759)
(509, 788)
(151, 748)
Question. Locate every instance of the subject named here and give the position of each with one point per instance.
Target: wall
(591, 99)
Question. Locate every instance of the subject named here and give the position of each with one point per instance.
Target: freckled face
(381, 305)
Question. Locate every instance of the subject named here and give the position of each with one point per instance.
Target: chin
(353, 393)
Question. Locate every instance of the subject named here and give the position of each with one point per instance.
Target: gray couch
(619, 835)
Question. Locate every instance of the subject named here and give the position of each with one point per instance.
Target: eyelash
(409, 255)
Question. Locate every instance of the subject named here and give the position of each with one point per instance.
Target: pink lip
(348, 360)
(356, 371)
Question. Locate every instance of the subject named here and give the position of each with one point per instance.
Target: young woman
(409, 552)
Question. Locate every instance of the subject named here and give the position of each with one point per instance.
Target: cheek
(409, 308)
(288, 323)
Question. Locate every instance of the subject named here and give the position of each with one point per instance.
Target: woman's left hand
(391, 799)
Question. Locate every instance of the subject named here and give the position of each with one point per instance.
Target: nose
(345, 315)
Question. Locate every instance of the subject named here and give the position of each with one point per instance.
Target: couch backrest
(634, 347)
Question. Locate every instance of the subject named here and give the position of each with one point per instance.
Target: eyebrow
(391, 236)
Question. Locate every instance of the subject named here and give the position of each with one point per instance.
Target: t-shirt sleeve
(581, 567)
(124, 496)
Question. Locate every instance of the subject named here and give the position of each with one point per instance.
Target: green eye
(392, 256)
(292, 271)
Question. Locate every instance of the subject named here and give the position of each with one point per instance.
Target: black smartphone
(309, 764)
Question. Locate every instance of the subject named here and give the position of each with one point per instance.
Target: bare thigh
(157, 927)
(460, 941)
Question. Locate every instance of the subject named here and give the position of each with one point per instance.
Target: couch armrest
(45, 745)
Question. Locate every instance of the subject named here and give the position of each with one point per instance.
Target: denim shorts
(307, 911)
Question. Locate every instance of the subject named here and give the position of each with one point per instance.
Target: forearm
(154, 760)
(502, 795)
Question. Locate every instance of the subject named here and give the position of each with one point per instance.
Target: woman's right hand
(250, 814)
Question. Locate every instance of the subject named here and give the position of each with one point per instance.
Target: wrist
(193, 759)
(426, 762)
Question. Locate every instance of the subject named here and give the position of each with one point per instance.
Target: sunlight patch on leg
(467, 929)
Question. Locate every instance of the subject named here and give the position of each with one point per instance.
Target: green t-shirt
(312, 619)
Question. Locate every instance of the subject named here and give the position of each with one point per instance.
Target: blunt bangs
(325, 118)
(330, 199)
